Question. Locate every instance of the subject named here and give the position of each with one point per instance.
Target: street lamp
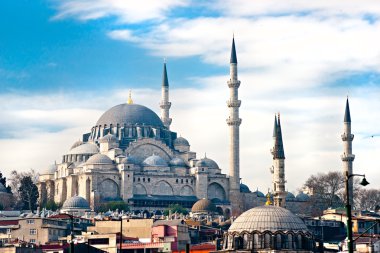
(364, 182)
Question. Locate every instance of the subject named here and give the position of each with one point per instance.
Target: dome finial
(130, 101)
(268, 203)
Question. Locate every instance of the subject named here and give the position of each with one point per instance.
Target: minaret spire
(234, 122)
(347, 156)
(278, 168)
(165, 104)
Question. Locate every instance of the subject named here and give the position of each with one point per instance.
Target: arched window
(256, 241)
(278, 241)
(267, 241)
(290, 241)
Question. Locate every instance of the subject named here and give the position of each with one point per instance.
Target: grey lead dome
(268, 218)
(130, 114)
(76, 202)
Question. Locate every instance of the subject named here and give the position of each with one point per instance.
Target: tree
(28, 193)
(3, 180)
(367, 199)
(15, 182)
(176, 208)
(51, 205)
(113, 205)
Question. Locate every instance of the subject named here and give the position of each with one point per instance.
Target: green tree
(176, 208)
(3, 180)
(113, 205)
(28, 193)
(51, 205)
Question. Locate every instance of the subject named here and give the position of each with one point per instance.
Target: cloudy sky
(63, 63)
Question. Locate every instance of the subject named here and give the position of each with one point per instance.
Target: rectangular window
(30, 221)
(32, 241)
(33, 231)
(9, 231)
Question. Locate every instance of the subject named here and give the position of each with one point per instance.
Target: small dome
(268, 218)
(50, 169)
(130, 114)
(2, 188)
(180, 141)
(108, 139)
(85, 148)
(178, 162)
(207, 162)
(155, 161)
(99, 159)
(244, 188)
(203, 206)
(129, 160)
(76, 202)
(259, 194)
(290, 196)
(302, 197)
(76, 144)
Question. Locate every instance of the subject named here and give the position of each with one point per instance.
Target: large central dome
(130, 114)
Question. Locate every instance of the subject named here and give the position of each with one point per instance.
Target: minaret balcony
(165, 105)
(233, 103)
(233, 122)
(347, 158)
(347, 137)
(233, 83)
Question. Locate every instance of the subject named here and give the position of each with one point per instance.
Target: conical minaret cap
(278, 151)
(233, 52)
(275, 127)
(347, 115)
(165, 81)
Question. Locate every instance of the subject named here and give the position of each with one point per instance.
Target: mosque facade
(131, 154)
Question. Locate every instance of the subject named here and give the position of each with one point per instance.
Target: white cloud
(129, 11)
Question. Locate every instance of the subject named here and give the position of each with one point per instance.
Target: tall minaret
(278, 168)
(347, 156)
(234, 122)
(165, 104)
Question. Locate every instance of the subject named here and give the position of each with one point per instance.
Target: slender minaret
(347, 156)
(165, 104)
(278, 168)
(234, 122)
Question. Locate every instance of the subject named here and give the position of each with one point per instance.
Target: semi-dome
(290, 196)
(302, 197)
(99, 159)
(85, 148)
(244, 188)
(76, 144)
(130, 114)
(50, 169)
(180, 141)
(268, 218)
(203, 206)
(177, 162)
(76, 202)
(108, 138)
(155, 161)
(129, 160)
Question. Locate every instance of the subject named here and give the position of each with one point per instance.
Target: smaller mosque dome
(268, 218)
(302, 197)
(76, 144)
(76, 202)
(203, 206)
(178, 162)
(155, 161)
(99, 159)
(129, 160)
(244, 188)
(180, 141)
(207, 162)
(50, 169)
(85, 148)
(290, 196)
(259, 194)
(108, 139)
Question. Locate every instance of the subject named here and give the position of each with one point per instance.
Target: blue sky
(63, 63)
